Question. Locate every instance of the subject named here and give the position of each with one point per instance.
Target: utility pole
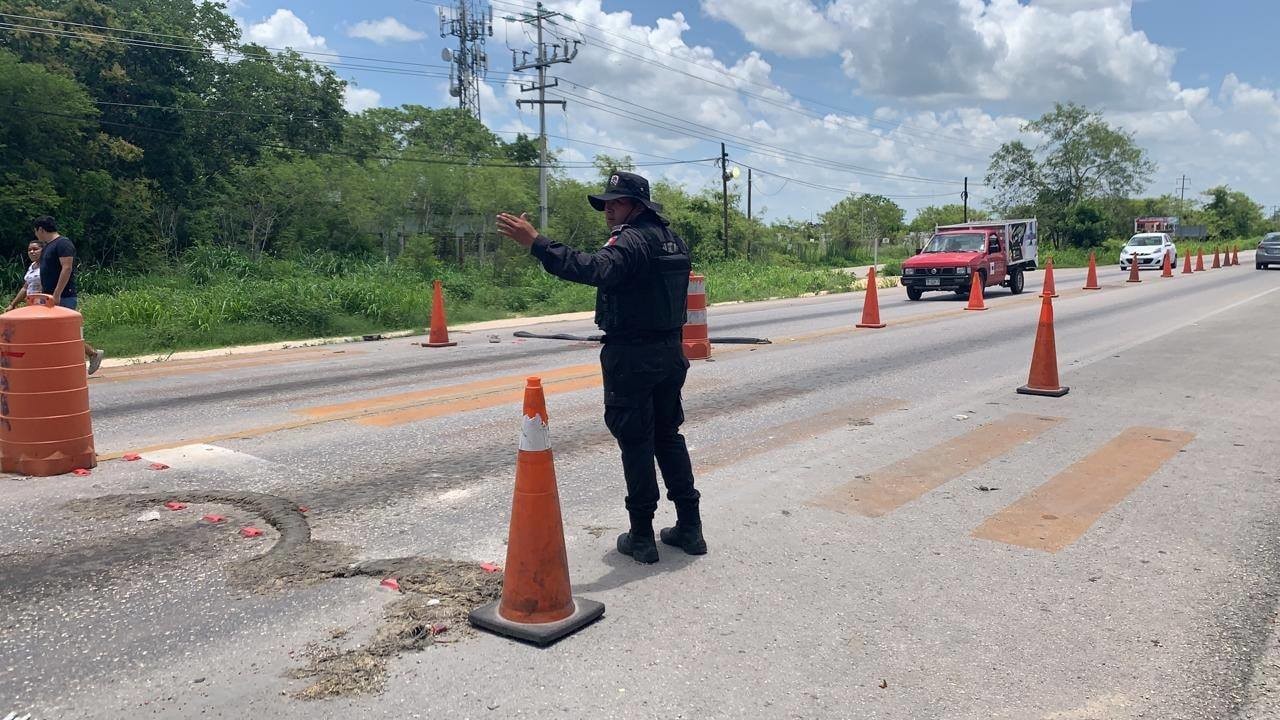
(750, 228)
(560, 53)
(1182, 197)
(724, 179)
(471, 24)
(965, 196)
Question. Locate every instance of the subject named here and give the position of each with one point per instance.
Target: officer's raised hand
(517, 228)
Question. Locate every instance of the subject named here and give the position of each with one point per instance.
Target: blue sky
(826, 97)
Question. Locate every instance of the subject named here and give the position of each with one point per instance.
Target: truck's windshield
(959, 242)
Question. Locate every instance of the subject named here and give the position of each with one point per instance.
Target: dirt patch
(438, 596)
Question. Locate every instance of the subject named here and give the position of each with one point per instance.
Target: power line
(904, 127)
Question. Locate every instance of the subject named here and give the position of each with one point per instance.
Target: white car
(1150, 250)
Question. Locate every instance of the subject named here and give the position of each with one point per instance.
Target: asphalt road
(894, 532)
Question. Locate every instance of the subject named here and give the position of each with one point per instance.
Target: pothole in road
(437, 594)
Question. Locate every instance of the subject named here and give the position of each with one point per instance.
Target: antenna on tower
(471, 23)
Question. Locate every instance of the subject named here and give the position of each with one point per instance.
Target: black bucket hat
(625, 185)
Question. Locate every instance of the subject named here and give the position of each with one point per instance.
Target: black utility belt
(654, 338)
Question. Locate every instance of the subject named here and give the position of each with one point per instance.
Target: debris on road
(390, 584)
(495, 339)
(175, 505)
(81, 472)
(157, 466)
(883, 683)
(149, 517)
(960, 416)
(130, 457)
(490, 567)
(984, 488)
(250, 532)
(215, 519)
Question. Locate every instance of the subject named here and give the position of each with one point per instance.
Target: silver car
(1268, 251)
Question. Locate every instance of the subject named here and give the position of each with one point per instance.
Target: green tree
(1079, 158)
(928, 218)
(858, 219)
(1232, 214)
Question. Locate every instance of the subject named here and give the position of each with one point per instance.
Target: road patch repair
(437, 593)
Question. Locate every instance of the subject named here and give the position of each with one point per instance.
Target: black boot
(641, 548)
(687, 534)
(639, 542)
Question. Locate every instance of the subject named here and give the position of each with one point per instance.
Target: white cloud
(285, 30)
(927, 121)
(791, 27)
(358, 99)
(386, 30)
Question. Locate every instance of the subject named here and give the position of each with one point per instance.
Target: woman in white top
(30, 282)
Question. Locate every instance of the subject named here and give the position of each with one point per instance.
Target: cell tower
(470, 22)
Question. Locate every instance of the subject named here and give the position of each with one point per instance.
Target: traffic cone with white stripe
(537, 602)
(871, 303)
(694, 335)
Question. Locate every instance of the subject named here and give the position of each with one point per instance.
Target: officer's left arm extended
(626, 254)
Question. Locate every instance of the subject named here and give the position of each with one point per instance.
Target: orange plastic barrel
(694, 336)
(44, 391)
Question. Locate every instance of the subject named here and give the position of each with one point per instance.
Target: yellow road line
(893, 486)
(1057, 513)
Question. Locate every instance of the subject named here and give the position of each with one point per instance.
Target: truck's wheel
(914, 293)
(1016, 281)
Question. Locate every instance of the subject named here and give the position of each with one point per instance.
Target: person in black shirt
(58, 275)
(641, 276)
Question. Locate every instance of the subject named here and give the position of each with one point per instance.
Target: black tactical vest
(653, 302)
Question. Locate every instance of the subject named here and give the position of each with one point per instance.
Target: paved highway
(894, 532)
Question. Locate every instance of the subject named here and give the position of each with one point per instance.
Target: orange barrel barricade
(695, 342)
(44, 391)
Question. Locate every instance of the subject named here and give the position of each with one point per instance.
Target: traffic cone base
(1028, 390)
(1091, 281)
(585, 612)
(871, 304)
(537, 603)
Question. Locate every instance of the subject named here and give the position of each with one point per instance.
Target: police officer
(641, 276)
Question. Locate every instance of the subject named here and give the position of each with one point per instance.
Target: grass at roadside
(229, 302)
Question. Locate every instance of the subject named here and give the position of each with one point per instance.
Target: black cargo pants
(642, 384)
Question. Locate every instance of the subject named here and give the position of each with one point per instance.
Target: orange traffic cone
(1091, 280)
(1235, 255)
(1167, 270)
(1133, 269)
(1049, 289)
(1186, 265)
(1200, 260)
(871, 304)
(537, 602)
(976, 293)
(1216, 263)
(1043, 378)
(439, 336)
(693, 337)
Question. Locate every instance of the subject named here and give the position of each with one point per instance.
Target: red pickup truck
(997, 252)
